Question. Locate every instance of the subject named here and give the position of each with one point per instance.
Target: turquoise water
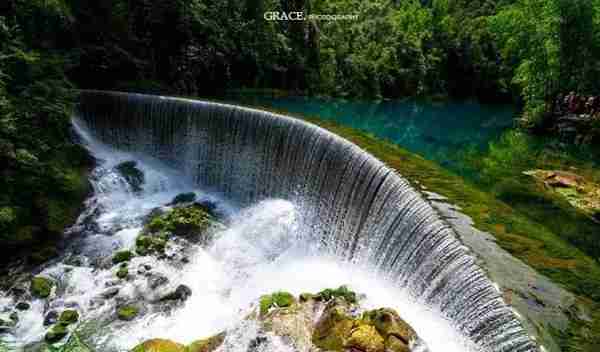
(437, 131)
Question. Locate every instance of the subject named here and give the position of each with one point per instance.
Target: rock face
(582, 194)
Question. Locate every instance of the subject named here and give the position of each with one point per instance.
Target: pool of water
(439, 131)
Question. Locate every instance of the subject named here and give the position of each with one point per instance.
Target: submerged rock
(41, 287)
(134, 176)
(50, 318)
(181, 293)
(159, 345)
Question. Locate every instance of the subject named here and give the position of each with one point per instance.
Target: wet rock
(7, 323)
(157, 280)
(183, 198)
(128, 312)
(388, 322)
(334, 327)
(190, 222)
(41, 287)
(130, 172)
(207, 345)
(22, 306)
(50, 318)
(365, 338)
(56, 333)
(68, 317)
(181, 293)
(110, 293)
(122, 256)
(123, 273)
(159, 345)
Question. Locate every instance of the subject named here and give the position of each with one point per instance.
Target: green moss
(147, 244)
(128, 312)
(207, 345)
(68, 317)
(181, 221)
(123, 272)
(340, 292)
(159, 345)
(122, 256)
(56, 333)
(278, 299)
(41, 287)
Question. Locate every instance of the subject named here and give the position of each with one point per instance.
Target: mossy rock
(123, 272)
(68, 317)
(159, 345)
(207, 345)
(340, 292)
(122, 256)
(133, 175)
(128, 312)
(190, 221)
(279, 299)
(365, 338)
(148, 244)
(388, 322)
(41, 287)
(56, 333)
(333, 328)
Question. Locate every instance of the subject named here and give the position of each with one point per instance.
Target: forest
(521, 51)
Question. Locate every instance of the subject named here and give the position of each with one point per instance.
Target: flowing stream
(304, 210)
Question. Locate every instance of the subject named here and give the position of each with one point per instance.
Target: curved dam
(351, 205)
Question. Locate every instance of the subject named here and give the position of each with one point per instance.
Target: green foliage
(279, 299)
(340, 292)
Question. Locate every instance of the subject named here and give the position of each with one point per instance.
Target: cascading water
(351, 204)
(306, 210)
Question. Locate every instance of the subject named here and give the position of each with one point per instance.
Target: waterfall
(352, 205)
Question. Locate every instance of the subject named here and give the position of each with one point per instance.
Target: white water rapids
(254, 255)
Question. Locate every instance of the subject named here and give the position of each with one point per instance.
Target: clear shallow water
(436, 130)
(255, 254)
